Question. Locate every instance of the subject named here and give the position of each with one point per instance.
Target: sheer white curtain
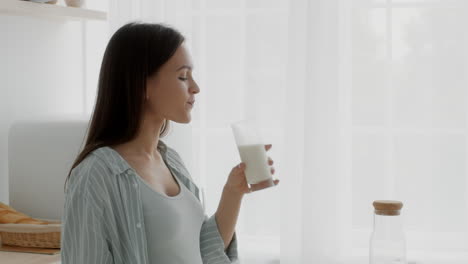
(378, 96)
(362, 100)
(316, 212)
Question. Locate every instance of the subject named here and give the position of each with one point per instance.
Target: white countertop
(28, 258)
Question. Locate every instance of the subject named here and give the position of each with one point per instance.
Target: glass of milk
(253, 154)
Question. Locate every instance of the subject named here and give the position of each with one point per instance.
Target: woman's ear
(146, 93)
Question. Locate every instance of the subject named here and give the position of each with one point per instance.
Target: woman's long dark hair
(135, 52)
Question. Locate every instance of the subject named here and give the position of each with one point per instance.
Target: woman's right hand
(237, 181)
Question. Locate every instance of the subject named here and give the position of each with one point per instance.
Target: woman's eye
(183, 79)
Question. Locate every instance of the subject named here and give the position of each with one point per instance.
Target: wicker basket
(31, 235)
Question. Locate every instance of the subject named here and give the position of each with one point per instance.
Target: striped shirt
(103, 215)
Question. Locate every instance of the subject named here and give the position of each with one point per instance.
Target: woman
(129, 197)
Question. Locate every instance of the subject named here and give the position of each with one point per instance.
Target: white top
(172, 225)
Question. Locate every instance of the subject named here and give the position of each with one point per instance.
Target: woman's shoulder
(98, 166)
(99, 159)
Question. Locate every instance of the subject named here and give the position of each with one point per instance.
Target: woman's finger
(268, 147)
(241, 166)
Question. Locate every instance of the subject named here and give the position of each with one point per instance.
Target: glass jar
(387, 242)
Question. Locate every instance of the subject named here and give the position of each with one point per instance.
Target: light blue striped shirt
(103, 215)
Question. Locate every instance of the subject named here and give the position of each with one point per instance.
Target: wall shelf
(25, 8)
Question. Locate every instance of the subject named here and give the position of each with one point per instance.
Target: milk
(256, 161)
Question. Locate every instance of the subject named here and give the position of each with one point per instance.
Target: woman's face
(171, 91)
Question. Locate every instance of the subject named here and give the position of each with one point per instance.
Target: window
(409, 120)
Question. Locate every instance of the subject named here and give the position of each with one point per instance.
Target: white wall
(43, 71)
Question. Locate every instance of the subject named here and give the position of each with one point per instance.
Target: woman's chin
(184, 120)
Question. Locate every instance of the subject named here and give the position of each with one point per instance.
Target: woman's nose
(195, 89)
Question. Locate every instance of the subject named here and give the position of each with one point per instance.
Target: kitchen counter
(28, 258)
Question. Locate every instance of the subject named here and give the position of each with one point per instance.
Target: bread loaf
(8, 215)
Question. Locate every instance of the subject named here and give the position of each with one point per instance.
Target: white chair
(41, 152)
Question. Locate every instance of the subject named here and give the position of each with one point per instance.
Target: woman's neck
(145, 143)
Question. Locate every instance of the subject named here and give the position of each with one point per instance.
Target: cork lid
(387, 207)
